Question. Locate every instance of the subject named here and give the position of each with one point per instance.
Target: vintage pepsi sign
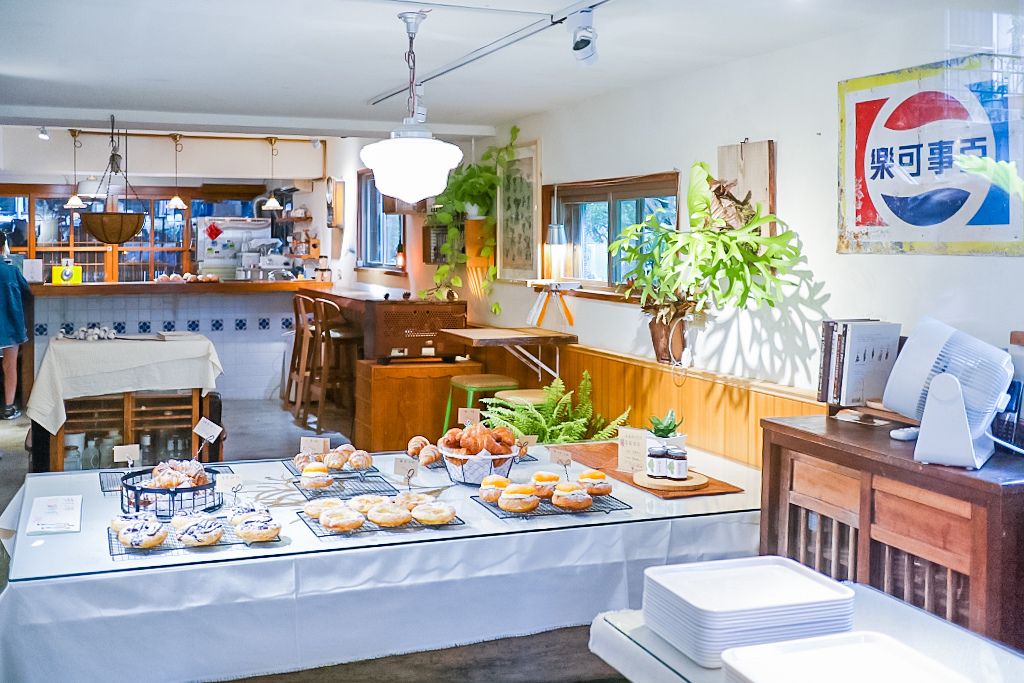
(900, 133)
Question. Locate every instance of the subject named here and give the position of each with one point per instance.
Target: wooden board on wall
(752, 166)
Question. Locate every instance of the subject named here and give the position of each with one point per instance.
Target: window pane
(168, 225)
(651, 204)
(50, 258)
(92, 265)
(133, 266)
(14, 221)
(594, 240)
(392, 236)
(53, 223)
(167, 262)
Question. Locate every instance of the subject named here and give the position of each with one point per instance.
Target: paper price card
(527, 440)
(314, 444)
(469, 416)
(207, 429)
(632, 449)
(560, 456)
(226, 483)
(406, 467)
(126, 453)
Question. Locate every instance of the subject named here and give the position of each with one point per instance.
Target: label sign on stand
(560, 456)
(207, 430)
(126, 453)
(632, 449)
(228, 482)
(314, 444)
(406, 467)
(469, 416)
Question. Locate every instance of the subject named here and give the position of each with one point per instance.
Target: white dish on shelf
(842, 658)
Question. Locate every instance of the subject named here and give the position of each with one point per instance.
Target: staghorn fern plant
(556, 420)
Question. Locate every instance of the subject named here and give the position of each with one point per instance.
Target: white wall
(791, 97)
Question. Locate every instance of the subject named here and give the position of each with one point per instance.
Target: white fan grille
(983, 371)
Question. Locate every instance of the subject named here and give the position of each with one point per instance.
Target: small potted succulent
(666, 430)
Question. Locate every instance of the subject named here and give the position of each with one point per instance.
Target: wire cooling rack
(344, 472)
(368, 526)
(439, 464)
(110, 481)
(171, 544)
(350, 487)
(546, 508)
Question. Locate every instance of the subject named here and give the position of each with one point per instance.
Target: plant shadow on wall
(727, 259)
(471, 193)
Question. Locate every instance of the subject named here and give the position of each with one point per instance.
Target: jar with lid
(677, 463)
(72, 458)
(657, 463)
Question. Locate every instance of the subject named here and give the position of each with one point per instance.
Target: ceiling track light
(411, 165)
(43, 135)
(584, 37)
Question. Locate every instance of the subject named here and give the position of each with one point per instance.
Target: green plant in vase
(472, 191)
(667, 426)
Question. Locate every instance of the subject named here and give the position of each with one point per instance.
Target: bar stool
(334, 358)
(531, 397)
(302, 352)
(473, 385)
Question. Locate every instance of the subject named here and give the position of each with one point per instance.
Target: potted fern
(723, 260)
(556, 420)
(666, 430)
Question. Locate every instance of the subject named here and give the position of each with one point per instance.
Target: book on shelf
(857, 356)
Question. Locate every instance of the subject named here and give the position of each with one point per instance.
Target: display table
(624, 641)
(305, 602)
(73, 368)
(514, 339)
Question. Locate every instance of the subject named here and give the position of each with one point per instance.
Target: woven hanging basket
(113, 228)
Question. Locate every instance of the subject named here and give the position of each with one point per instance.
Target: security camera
(584, 37)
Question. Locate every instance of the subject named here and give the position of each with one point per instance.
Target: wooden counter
(182, 288)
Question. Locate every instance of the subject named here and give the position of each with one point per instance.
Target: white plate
(658, 597)
(753, 585)
(847, 658)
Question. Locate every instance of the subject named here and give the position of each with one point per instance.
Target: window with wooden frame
(40, 227)
(379, 232)
(595, 212)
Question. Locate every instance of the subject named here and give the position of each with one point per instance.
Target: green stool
(473, 385)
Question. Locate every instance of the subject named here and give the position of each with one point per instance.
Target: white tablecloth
(73, 368)
(315, 603)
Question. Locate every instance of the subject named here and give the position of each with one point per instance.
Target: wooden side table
(852, 503)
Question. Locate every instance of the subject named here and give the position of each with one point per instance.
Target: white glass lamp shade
(411, 168)
(75, 203)
(272, 204)
(177, 203)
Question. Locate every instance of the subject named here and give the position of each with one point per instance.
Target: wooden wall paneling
(983, 617)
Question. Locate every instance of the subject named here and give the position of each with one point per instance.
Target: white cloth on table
(73, 368)
(277, 614)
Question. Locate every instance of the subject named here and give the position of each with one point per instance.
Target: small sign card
(314, 444)
(228, 482)
(560, 456)
(207, 430)
(469, 416)
(527, 440)
(55, 515)
(406, 467)
(126, 453)
(632, 449)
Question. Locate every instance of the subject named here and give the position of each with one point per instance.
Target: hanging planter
(113, 227)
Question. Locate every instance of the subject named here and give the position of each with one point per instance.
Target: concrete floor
(263, 430)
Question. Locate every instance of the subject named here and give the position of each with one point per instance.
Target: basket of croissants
(475, 452)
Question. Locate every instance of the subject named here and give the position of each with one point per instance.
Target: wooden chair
(336, 350)
(302, 352)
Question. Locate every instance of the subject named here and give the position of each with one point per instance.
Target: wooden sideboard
(852, 503)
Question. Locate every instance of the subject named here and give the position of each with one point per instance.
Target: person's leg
(10, 381)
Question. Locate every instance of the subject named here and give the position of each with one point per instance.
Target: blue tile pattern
(119, 328)
(68, 329)
(193, 325)
(286, 323)
(93, 326)
(168, 326)
(40, 330)
(143, 327)
(264, 323)
(240, 324)
(216, 325)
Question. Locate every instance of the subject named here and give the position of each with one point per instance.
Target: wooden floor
(559, 656)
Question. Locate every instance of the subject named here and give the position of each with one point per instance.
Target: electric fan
(954, 384)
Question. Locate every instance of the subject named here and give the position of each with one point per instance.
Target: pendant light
(176, 202)
(411, 165)
(272, 204)
(75, 202)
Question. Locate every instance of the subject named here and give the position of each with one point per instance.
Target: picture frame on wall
(335, 202)
(519, 228)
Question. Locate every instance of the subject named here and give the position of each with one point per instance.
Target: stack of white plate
(705, 608)
(853, 657)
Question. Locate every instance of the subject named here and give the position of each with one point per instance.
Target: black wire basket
(165, 502)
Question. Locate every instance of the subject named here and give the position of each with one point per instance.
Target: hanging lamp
(272, 204)
(176, 202)
(75, 202)
(113, 227)
(411, 165)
